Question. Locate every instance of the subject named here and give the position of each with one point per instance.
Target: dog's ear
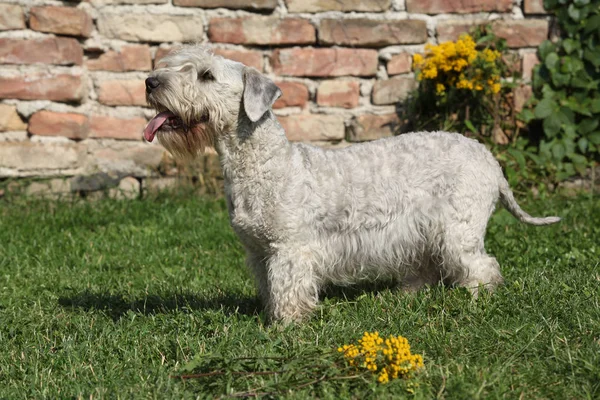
(259, 93)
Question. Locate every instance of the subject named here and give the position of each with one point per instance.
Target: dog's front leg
(293, 286)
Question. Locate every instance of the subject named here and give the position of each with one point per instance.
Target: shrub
(464, 82)
(565, 84)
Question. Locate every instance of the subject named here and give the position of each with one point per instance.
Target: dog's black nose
(151, 84)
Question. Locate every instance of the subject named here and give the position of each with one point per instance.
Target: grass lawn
(111, 299)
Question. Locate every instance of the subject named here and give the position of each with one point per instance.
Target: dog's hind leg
(465, 262)
(293, 287)
(480, 270)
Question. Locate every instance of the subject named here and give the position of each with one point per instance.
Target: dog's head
(200, 97)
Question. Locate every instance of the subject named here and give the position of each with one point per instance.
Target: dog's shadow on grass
(116, 306)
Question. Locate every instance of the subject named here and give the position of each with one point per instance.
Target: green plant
(464, 80)
(565, 84)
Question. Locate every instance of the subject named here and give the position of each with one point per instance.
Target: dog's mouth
(167, 120)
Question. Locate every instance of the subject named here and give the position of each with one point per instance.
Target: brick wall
(71, 73)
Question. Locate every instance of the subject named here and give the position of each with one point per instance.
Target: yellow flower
(440, 88)
(464, 84)
(490, 55)
(496, 87)
(392, 356)
(417, 60)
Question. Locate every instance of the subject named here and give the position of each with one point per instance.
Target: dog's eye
(206, 76)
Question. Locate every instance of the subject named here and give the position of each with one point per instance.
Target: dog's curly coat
(413, 207)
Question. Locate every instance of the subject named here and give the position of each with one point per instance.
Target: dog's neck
(247, 148)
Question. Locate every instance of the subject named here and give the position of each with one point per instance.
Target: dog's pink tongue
(155, 124)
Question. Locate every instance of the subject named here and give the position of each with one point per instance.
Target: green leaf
(552, 124)
(566, 116)
(551, 61)
(550, 4)
(581, 2)
(545, 108)
(560, 80)
(587, 125)
(582, 143)
(469, 125)
(592, 56)
(574, 105)
(592, 24)
(518, 156)
(594, 137)
(569, 145)
(546, 47)
(579, 162)
(570, 45)
(570, 130)
(574, 12)
(558, 151)
(595, 106)
(526, 115)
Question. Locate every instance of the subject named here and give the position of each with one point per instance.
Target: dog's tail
(509, 202)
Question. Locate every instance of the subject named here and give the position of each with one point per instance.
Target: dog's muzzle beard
(182, 139)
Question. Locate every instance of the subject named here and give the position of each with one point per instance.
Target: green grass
(111, 299)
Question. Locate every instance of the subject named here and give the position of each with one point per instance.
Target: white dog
(412, 207)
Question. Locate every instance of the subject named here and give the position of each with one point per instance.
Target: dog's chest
(250, 221)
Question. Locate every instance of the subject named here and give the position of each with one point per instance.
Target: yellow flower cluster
(460, 65)
(391, 357)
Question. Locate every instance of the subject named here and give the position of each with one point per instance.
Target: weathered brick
(150, 27)
(69, 125)
(393, 90)
(101, 3)
(313, 127)
(522, 33)
(261, 30)
(160, 53)
(61, 20)
(399, 64)
(325, 62)
(313, 6)
(371, 33)
(534, 7)
(250, 58)
(49, 188)
(450, 30)
(457, 6)
(158, 184)
(116, 128)
(529, 61)
(129, 188)
(30, 156)
(518, 33)
(51, 50)
(40, 86)
(126, 157)
(10, 119)
(294, 94)
(233, 4)
(129, 58)
(122, 93)
(371, 127)
(11, 17)
(337, 93)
